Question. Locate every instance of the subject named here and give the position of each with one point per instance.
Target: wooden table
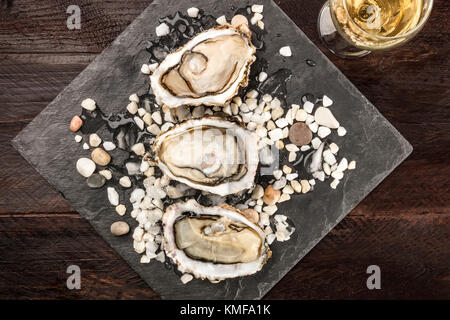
(403, 226)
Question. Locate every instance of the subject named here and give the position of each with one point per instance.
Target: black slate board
(115, 74)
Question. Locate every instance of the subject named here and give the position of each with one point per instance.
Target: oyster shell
(212, 154)
(208, 70)
(213, 243)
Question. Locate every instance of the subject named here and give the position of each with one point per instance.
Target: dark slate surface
(115, 74)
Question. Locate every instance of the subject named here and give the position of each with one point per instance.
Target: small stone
(145, 69)
(94, 140)
(306, 187)
(125, 182)
(256, 17)
(138, 149)
(352, 165)
(329, 157)
(166, 126)
(292, 176)
(305, 148)
(316, 142)
(300, 134)
(156, 116)
(314, 127)
(262, 76)
(320, 175)
(258, 192)
(154, 129)
(343, 165)
(284, 197)
(277, 113)
(308, 106)
(75, 124)
(198, 112)
(282, 123)
(222, 20)
(292, 156)
(145, 259)
(260, 24)
(296, 186)
(185, 278)
(286, 51)
(276, 134)
(285, 133)
(251, 215)
(337, 175)
(193, 12)
(132, 108)
(139, 122)
(271, 196)
(301, 115)
(96, 181)
(326, 169)
(279, 145)
(109, 146)
(107, 174)
(120, 228)
(334, 184)
(334, 148)
(287, 169)
(288, 190)
(121, 210)
(113, 196)
(150, 172)
(134, 98)
(271, 125)
(261, 132)
(78, 138)
(326, 101)
(309, 119)
(280, 184)
(88, 104)
(323, 132)
(324, 117)
(142, 112)
(278, 174)
(267, 98)
(341, 131)
(85, 167)
(100, 157)
(312, 182)
(270, 210)
(292, 148)
(275, 103)
(257, 8)
(162, 30)
(85, 146)
(137, 195)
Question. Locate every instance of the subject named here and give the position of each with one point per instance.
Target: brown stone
(251, 215)
(300, 134)
(76, 124)
(271, 196)
(239, 20)
(100, 157)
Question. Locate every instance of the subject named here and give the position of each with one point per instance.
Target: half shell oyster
(208, 70)
(213, 243)
(211, 154)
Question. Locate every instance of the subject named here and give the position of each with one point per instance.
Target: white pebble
(287, 169)
(270, 210)
(139, 122)
(276, 134)
(137, 195)
(78, 138)
(296, 186)
(113, 196)
(341, 131)
(142, 112)
(138, 149)
(292, 176)
(292, 148)
(156, 116)
(327, 169)
(329, 157)
(257, 8)
(85, 167)
(107, 174)
(260, 24)
(334, 184)
(166, 126)
(193, 12)
(343, 165)
(305, 148)
(334, 148)
(109, 146)
(316, 142)
(324, 117)
(125, 182)
(134, 98)
(222, 20)
(88, 104)
(281, 123)
(154, 129)
(301, 115)
(145, 69)
(352, 165)
(277, 174)
(262, 77)
(292, 156)
(132, 107)
(185, 278)
(85, 146)
(286, 51)
(323, 132)
(162, 30)
(121, 210)
(312, 182)
(319, 175)
(314, 127)
(288, 189)
(326, 101)
(308, 106)
(337, 175)
(94, 140)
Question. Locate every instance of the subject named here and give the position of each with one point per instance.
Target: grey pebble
(96, 181)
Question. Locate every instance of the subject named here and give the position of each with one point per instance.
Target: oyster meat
(211, 154)
(208, 70)
(213, 243)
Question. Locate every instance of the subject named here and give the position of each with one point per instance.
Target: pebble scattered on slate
(96, 181)
(120, 228)
(101, 157)
(86, 167)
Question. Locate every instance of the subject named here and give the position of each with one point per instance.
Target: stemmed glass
(355, 28)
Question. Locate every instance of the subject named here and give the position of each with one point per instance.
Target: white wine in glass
(354, 28)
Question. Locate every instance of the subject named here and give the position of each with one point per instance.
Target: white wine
(376, 24)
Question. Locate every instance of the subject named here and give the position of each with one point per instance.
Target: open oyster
(208, 70)
(213, 243)
(210, 154)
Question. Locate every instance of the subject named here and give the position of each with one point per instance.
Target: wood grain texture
(403, 226)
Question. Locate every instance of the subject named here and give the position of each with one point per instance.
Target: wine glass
(355, 28)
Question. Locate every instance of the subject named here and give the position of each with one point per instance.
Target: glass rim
(404, 35)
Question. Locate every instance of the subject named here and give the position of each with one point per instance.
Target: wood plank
(35, 252)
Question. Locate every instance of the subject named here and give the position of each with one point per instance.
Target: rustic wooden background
(403, 226)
